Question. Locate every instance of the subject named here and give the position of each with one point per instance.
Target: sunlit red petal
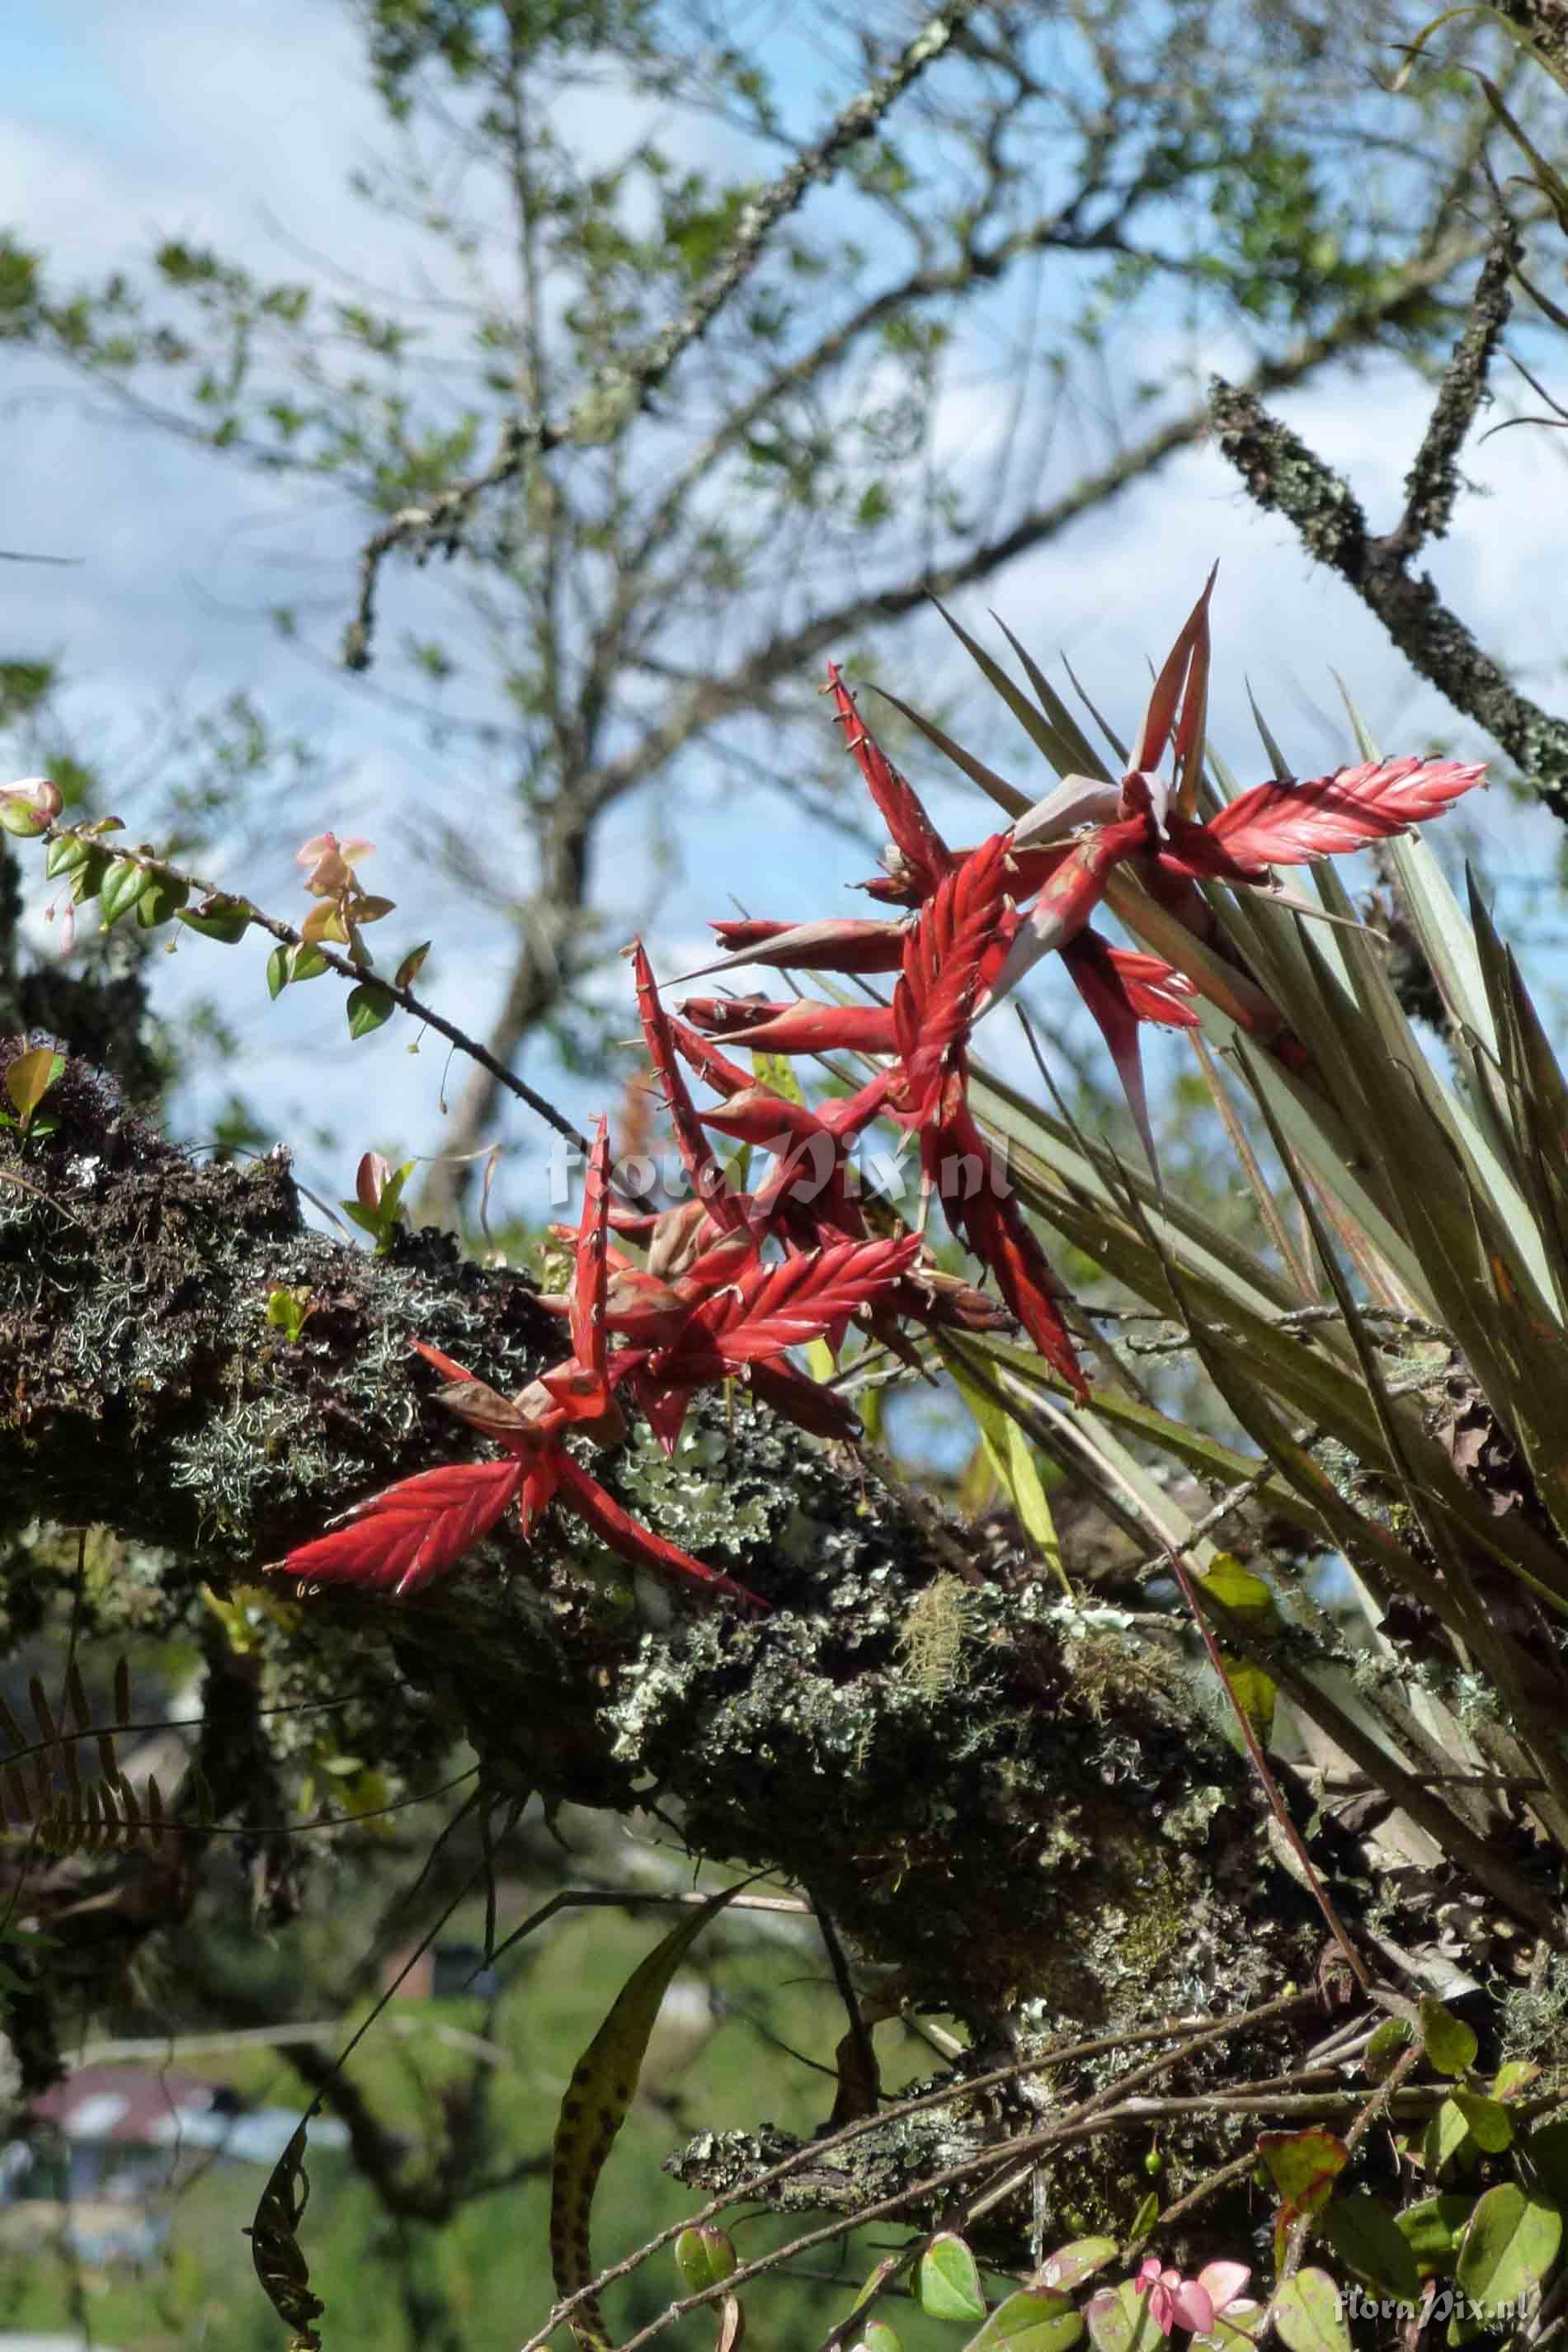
(1290, 825)
(794, 1028)
(591, 1270)
(846, 944)
(703, 1171)
(416, 1530)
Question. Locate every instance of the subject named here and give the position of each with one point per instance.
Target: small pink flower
(333, 863)
(1175, 2302)
(371, 1180)
(1194, 2303)
(68, 919)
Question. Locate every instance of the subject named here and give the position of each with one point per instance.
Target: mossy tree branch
(1000, 1821)
(1281, 472)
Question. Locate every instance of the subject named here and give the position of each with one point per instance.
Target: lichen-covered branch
(1544, 23)
(1008, 1806)
(1432, 483)
(1281, 472)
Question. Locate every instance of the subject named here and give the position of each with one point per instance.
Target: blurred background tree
(999, 316)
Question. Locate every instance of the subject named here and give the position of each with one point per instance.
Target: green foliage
(595, 2106)
(48, 1798)
(288, 1311)
(378, 1205)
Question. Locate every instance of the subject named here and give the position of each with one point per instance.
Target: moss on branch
(1012, 1805)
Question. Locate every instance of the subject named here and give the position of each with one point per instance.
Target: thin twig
(347, 969)
(815, 2151)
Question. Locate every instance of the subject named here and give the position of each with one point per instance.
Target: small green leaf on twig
(1449, 2045)
(121, 888)
(704, 2258)
(220, 917)
(161, 900)
(947, 2283)
(370, 1005)
(1033, 2321)
(1308, 2314)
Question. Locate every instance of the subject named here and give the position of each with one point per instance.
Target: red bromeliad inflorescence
(732, 1281)
(979, 919)
(723, 1312)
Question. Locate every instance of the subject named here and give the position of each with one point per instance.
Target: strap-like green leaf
(601, 2088)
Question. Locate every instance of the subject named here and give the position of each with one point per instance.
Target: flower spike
(591, 1271)
(703, 1171)
(399, 1541)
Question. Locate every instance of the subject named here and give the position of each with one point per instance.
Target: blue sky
(238, 128)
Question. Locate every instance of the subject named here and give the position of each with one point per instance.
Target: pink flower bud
(371, 1180)
(29, 808)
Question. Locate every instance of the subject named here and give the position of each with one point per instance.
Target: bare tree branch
(605, 410)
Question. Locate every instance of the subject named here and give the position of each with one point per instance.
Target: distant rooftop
(142, 2107)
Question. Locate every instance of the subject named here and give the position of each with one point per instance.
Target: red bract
(416, 1530)
(615, 1527)
(1120, 991)
(1179, 701)
(703, 1171)
(848, 943)
(772, 1308)
(809, 1187)
(1292, 824)
(807, 1402)
(419, 1529)
(922, 853)
(590, 1274)
(1069, 898)
(957, 1160)
(934, 1002)
(802, 1028)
